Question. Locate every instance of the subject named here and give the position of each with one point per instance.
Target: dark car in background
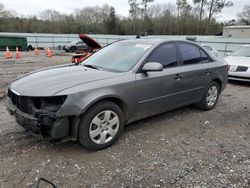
(123, 82)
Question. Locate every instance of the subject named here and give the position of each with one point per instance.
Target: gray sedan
(125, 81)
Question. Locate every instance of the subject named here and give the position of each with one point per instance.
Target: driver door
(156, 91)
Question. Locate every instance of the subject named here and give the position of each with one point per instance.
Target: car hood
(237, 60)
(89, 41)
(50, 81)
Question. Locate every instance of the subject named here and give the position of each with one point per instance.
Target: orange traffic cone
(7, 54)
(36, 51)
(49, 53)
(17, 54)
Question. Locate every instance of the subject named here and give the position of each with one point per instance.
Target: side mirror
(152, 66)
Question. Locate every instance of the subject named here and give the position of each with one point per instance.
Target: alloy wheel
(212, 95)
(104, 127)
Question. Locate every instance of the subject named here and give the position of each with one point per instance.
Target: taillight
(228, 67)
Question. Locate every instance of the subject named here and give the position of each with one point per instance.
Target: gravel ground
(183, 148)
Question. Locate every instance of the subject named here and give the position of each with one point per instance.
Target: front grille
(20, 102)
(33, 105)
(241, 69)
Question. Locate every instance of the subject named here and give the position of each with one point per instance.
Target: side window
(190, 54)
(166, 55)
(204, 56)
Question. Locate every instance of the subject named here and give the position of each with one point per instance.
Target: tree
(50, 15)
(216, 6)
(6, 13)
(230, 22)
(111, 21)
(201, 4)
(244, 15)
(133, 11)
(170, 19)
(183, 10)
(92, 19)
(145, 6)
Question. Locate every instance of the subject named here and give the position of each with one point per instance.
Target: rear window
(190, 54)
(204, 56)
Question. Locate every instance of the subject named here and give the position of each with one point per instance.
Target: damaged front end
(38, 114)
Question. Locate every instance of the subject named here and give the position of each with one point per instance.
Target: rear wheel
(101, 126)
(210, 96)
(73, 49)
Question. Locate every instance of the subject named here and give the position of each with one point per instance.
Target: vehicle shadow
(239, 83)
(139, 124)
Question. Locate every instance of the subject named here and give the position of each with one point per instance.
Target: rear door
(195, 71)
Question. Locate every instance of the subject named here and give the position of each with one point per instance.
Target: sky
(33, 7)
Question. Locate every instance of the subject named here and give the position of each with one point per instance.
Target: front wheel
(210, 96)
(73, 49)
(101, 126)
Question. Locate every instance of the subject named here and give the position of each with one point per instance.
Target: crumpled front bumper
(27, 121)
(58, 129)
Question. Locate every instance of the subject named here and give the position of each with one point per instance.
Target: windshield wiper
(91, 66)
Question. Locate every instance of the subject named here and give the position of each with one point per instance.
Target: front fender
(76, 104)
(122, 88)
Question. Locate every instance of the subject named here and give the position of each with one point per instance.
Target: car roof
(145, 41)
(153, 41)
(205, 44)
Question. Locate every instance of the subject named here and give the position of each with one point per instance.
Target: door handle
(178, 77)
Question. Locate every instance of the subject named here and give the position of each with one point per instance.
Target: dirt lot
(182, 148)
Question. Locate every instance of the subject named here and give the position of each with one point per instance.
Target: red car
(93, 47)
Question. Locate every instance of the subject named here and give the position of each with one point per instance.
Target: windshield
(243, 51)
(119, 57)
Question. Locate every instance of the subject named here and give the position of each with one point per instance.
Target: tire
(29, 48)
(106, 122)
(212, 90)
(73, 49)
